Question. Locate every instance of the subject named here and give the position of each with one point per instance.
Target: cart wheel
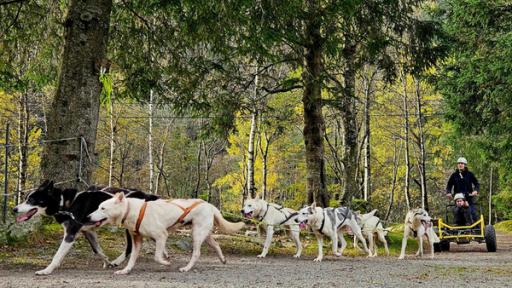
(490, 238)
(445, 245)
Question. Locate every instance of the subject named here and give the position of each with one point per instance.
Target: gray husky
(330, 222)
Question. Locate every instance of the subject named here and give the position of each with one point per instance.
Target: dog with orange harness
(156, 219)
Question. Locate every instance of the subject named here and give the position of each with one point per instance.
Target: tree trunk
(198, 169)
(393, 183)
(160, 167)
(423, 154)
(264, 158)
(211, 151)
(312, 100)
(75, 108)
(150, 143)
(112, 141)
(23, 122)
(349, 124)
(406, 140)
(368, 82)
(250, 155)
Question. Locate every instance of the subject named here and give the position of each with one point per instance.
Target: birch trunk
(150, 143)
(406, 140)
(251, 189)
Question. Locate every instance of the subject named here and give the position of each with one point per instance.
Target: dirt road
(468, 265)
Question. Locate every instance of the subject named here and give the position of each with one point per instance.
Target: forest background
(364, 103)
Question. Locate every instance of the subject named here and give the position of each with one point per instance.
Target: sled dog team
(148, 216)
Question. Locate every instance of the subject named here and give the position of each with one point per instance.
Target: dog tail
(224, 225)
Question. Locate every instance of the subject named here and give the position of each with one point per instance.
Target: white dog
(272, 215)
(418, 224)
(330, 222)
(371, 225)
(156, 218)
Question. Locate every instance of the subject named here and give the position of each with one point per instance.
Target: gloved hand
(474, 193)
(449, 195)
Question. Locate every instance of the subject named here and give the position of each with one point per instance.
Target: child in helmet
(461, 211)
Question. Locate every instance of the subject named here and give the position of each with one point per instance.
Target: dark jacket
(463, 182)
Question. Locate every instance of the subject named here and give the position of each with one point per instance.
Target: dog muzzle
(27, 215)
(303, 224)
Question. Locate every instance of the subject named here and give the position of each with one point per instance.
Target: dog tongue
(22, 217)
(302, 225)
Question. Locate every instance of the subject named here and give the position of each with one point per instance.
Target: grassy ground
(39, 247)
(504, 226)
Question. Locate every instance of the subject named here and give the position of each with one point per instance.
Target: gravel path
(465, 265)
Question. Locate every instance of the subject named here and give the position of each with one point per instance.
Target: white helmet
(458, 196)
(462, 160)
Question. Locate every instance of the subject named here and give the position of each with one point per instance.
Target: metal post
(6, 170)
(490, 198)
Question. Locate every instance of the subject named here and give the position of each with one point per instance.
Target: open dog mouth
(248, 214)
(99, 222)
(26, 216)
(302, 225)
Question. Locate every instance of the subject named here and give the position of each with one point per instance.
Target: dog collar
(265, 214)
(323, 222)
(126, 213)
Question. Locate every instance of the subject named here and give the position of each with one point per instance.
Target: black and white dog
(70, 208)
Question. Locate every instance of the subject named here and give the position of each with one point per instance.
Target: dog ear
(119, 197)
(257, 196)
(313, 205)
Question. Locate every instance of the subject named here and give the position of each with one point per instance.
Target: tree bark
(150, 143)
(349, 123)
(75, 108)
(368, 82)
(393, 183)
(406, 140)
(23, 123)
(251, 189)
(112, 141)
(264, 158)
(314, 125)
(198, 169)
(421, 140)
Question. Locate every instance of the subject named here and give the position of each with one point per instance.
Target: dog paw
(44, 272)
(111, 265)
(401, 257)
(163, 262)
(338, 254)
(261, 256)
(296, 256)
(184, 269)
(223, 261)
(318, 259)
(122, 272)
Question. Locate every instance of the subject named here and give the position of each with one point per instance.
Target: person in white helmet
(461, 211)
(463, 181)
